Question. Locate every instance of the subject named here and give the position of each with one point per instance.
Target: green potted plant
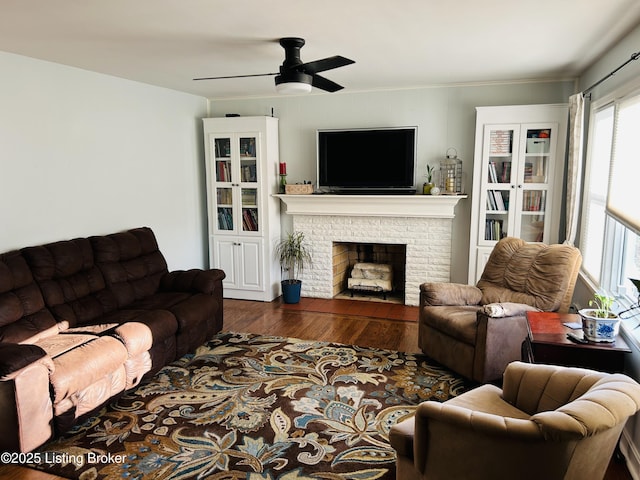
(426, 188)
(293, 255)
(599, 322)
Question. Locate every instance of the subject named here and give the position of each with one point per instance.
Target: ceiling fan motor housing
(294, 76)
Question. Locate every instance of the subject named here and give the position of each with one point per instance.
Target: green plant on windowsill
(603, 305)
(599, 322)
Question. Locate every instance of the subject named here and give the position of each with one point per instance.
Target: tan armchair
(477, 330)
(547, 422)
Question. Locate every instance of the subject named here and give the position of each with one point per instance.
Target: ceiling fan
(295, 76)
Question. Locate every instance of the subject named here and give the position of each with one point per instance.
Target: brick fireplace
(420, 224)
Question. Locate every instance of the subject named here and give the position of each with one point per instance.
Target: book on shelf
(249, 196)
(493, 229)
(528, 172)
(500, 142)
(224, 196)
(225, 218)
(222, 147)
(248, 173)
(493, 173)
(533, 201)
(250, 219)
(223, 171)
(247, 147)
(505, 177)
(495, 201)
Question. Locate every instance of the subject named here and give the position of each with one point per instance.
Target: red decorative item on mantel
(283, 168)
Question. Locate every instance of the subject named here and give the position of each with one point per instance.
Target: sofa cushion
(23, 316)
(457, 322)
(131, 262)
(72, 286)
(161, 324)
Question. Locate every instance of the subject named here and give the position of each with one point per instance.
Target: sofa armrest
(16, 356)
(194, 280)
(449, 294)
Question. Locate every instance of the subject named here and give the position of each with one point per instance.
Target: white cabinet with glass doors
(518, 177)
(244, 218)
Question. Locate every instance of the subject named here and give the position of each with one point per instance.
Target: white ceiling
(395, 44)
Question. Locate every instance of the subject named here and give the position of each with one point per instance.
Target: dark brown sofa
(83, 320)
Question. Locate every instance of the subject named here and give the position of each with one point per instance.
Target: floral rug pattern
(246, 406)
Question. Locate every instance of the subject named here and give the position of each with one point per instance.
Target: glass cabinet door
(248, 181)
(236, 183)
(533, 183)
(498, 181)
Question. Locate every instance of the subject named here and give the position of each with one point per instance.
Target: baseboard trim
(631, 455)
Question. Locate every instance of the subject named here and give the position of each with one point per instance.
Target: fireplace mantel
(431, 206)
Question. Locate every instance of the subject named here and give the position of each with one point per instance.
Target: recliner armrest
(194, 280)
(16, 356)
(432, 293)
(498, 343)
(507, 309)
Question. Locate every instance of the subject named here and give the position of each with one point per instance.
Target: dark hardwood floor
(356, 322)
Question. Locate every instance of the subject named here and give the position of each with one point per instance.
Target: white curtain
(574, 171)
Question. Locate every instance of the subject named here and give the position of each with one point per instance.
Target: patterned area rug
(245, 406)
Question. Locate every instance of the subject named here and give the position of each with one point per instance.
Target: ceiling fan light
(293, 83)
(292, 88)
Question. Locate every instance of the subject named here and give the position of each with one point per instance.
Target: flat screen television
(367, 160)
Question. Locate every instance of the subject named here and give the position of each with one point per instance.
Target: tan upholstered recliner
(547, 423)
(477, 330)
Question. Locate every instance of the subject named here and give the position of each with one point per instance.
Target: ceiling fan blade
(237, 76)
(325, 84)
(324, 64)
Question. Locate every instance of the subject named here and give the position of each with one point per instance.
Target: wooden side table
(547, 342)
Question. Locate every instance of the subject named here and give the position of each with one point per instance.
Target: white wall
(445, 117)
(83, 153)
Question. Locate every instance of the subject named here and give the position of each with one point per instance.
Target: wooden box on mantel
(299, 189)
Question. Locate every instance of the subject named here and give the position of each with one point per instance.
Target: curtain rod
(634, 56)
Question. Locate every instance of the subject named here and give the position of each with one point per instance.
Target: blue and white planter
(598, 329)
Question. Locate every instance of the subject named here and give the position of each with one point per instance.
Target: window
(593, 224)
(622, 201)
(610, 242)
